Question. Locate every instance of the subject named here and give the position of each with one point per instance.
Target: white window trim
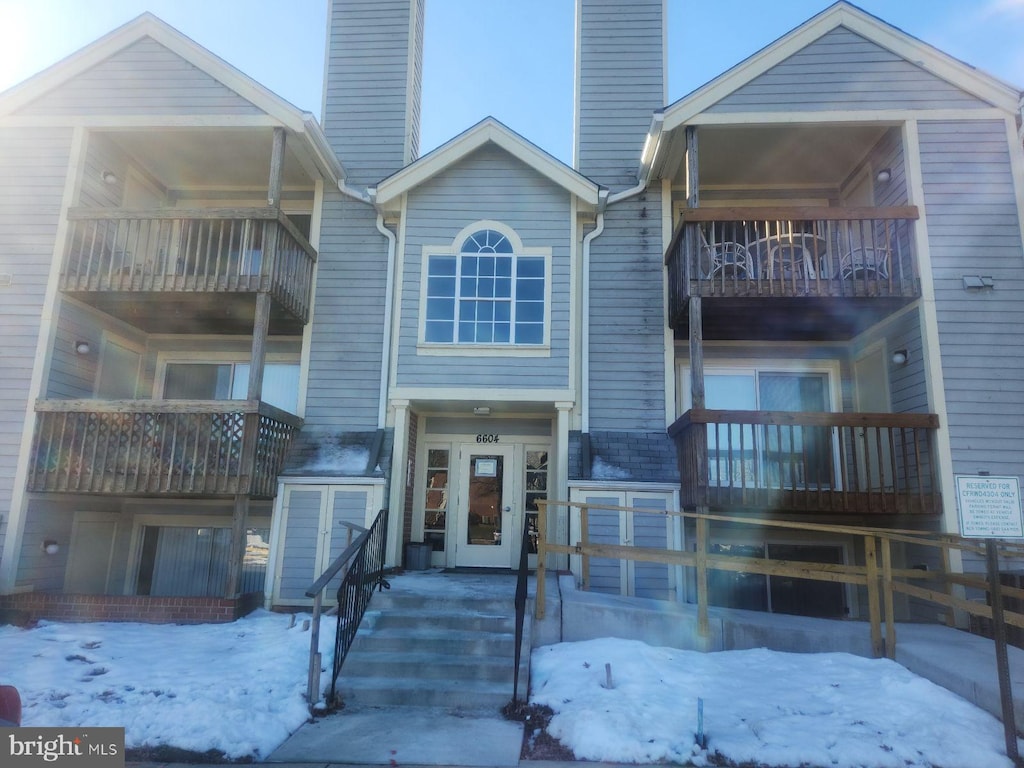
(211, 358)
(466, 349)
(754, 366)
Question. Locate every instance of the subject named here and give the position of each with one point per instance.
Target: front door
(485, 513)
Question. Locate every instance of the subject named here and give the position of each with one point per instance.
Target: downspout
(389, 290)
(602, 202)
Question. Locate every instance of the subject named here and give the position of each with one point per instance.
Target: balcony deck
(791, 273)
(189, 271)
(207, 448)
(808, 463)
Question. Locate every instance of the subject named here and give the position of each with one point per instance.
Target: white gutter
(602, 202)
(389, 290)
(361, 195)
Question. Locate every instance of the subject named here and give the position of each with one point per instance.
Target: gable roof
(843, 14)
(487, 131)
(149, 26)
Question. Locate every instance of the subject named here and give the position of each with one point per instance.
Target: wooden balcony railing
(786, 252)
(856, 463)
(239, 250)
(173, 447)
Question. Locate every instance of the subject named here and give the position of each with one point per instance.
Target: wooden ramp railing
(878, 575)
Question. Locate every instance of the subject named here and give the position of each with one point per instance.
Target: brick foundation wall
(149, 610)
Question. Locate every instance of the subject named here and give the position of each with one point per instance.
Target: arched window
(485, 293)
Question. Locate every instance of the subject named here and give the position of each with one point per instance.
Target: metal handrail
(364, 558)
(520, 604)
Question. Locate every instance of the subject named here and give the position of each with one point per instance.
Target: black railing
(520, 603)
(364, 558)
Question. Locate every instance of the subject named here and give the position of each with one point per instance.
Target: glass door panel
(485, 511)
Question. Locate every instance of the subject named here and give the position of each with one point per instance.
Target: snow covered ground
(238, 688)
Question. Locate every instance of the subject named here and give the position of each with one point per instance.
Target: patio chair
(864, 262)
(728, 259)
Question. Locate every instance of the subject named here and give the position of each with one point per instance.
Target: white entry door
(486, 507)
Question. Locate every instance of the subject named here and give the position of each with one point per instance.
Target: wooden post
(239, 518)
(258, 353)
(542, 549)
(584, 540)
(888, 597)
(1002, 659)
(703, 626)
(874, 613)
(950, 587)
(276, 169)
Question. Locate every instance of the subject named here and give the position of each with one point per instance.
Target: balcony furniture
(863, 263)
(727, 259)
(794, 254)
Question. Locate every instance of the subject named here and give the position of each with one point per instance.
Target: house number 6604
(487, 438)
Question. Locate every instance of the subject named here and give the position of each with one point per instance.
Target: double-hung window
(487, 293)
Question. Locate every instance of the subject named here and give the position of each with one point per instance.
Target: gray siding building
(792, 295)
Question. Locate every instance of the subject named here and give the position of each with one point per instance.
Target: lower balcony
(209, 448)
(808, 463)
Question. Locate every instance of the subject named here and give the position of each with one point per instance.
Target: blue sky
(512, 59)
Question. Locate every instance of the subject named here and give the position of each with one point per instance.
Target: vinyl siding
(33, 168)
(298, 564)
(627, 319)
(366, 99)
(620, 84)
(844, 71)
(487, 184)
(143, 79)
(101, 155)
(973, 229)
(348, 318)
(651, 530)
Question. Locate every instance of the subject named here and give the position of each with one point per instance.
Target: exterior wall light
(900, 357)
(883, 175)
(108, 177)
(481, 410)
(50, 547)
(82, 347)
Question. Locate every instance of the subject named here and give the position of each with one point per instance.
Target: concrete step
(464, 695)
(429, 666)
(436, 650)
(387, 600)
(465, 621)
(424, 639)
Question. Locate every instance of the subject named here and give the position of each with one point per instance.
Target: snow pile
(341, 459)
(602, 470)
(238, 688)
(762, 707)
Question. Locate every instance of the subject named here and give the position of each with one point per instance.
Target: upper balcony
(804, 273)
(180, 271)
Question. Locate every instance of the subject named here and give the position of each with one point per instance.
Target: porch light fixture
(481, 410)
(900, 357)
(883, 175)
(82, 347)
(50, 547)
(108, 177)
